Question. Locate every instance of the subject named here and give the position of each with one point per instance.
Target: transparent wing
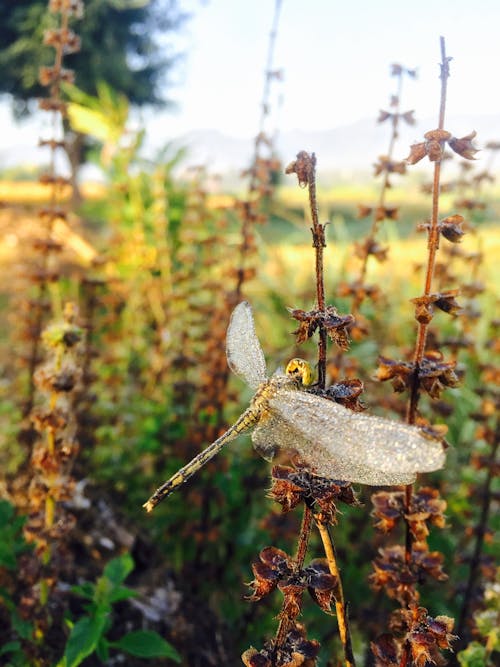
(276, 431)
(266, 437)
(337, 441)
(244, 353)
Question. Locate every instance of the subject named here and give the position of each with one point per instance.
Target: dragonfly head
(300, 371)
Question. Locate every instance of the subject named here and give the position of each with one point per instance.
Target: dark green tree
(120, 45)
(124, 44)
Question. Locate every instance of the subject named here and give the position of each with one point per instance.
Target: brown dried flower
(371, 247)
(345, 392)
(296, 651)
(364, 211)
(303, 166)
(398, 577)
(464, 146)
(336, 325)
(426, 507)
(435, 374)
(274, 565)
(425, 636)
(434, 143)
(388, 509)
(385, 164)
(292, 486)
(445, 301)
(277, 569)
(451, 228)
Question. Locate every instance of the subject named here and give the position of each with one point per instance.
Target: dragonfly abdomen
(248, 419)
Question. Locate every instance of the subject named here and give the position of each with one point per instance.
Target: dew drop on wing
(244, 353)
(347, 445)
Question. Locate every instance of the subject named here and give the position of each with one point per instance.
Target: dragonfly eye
(299, 370)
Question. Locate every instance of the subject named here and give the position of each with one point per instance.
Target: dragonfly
(331, 440)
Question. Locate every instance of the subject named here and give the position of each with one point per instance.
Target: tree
(119, 48)
(119, 45)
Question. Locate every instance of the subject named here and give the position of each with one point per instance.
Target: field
(149, 412)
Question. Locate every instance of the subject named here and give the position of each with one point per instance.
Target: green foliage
(146, 644)
(88, 634)
(102, 117)
(487, 622)
(12, 542)
(118, 45)
(475, 655)
(143, 430)
(12, 546)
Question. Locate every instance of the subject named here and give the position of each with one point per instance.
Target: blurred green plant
(88, 633)
(113, 34)
(487, 652)
(12, 547)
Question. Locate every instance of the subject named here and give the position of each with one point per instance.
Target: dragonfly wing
(244, 353)
(356, 441)
(265, 438)
(275, 431)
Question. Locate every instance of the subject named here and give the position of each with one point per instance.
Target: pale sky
(335, 56)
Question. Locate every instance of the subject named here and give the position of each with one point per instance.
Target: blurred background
(140, 200)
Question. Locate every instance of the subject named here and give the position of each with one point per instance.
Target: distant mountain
(349, 148)
(353, 146)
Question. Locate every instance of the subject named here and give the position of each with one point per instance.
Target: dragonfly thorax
(271, 388)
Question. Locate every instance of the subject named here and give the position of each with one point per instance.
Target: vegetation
(115, 368)
(118, 46)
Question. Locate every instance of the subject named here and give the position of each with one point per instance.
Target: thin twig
(384, 185)
(433, 245)
(300, 556)
(319, 243)
(340, 605)
(480, 531)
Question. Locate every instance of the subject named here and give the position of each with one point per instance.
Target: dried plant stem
(486, 495)
(433, 245)
(44, 287)
(264, 107)
(385, 183)
(300, 556)
(340, 606)
(250, 207)
(319, 243)
(34, 351)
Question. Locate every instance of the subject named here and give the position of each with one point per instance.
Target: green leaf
(102, 650)
(118, 569)
(7, 557)
(12, 542)
(85, 590)
(473, 656)
(10, 647)
(122, 593)
(23, 628)
(88, 121)
(83, 639)
(146, 644)
(6, 512)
